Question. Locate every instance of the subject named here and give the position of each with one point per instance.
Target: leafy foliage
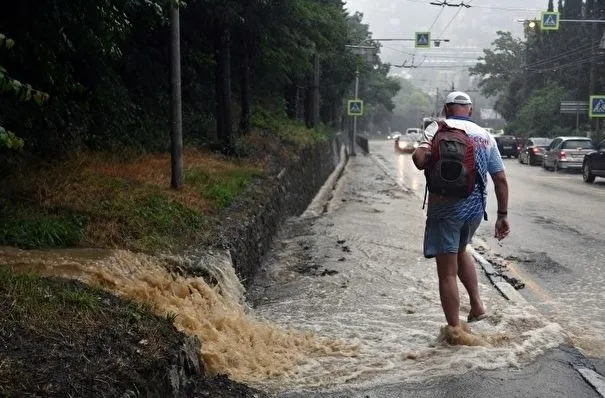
(107, 69)
(22, 92)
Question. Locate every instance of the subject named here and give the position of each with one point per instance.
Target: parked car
(531, 152)
(507, 145)
(413, 130)
(567, 153)
(594, 164)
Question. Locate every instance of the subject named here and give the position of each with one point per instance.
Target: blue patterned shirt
(488, 160)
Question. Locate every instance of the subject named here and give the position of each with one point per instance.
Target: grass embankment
(96, 201)
(63, 337)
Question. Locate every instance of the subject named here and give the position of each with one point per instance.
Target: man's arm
(421, 157)
(422, 154)
(501, 188)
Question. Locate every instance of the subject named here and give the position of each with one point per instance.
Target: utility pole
(368, 53)
(316, 95)
(355, 117)
(176, 119)
(592, 74)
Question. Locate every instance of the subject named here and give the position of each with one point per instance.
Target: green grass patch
(41, 301)
(144, 217)
(35, 300)
(222, 187)
(29, 227)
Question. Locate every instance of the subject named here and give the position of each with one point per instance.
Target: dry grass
(121, 202)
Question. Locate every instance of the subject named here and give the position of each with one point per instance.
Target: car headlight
(415, 145)
(402, 145)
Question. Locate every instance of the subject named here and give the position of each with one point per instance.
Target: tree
(20, 91)
(540, 115)
(500, 65)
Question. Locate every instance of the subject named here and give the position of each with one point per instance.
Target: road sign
(355, 107)
(573, 107)
(597, 106)
(550, 20)
(423, 40)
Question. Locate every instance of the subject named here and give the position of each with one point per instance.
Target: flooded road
(557, 243)
(346, 305)
(357, 274)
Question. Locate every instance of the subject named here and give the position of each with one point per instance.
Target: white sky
(473, 28)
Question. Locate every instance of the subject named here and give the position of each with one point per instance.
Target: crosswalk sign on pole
(550, 20)
(597, 106)
(423, 40)
(355, 107)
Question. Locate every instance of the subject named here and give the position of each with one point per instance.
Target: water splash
(233, 341)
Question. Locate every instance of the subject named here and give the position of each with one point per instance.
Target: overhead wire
(452, 20)
(484, 6)
(559, 57)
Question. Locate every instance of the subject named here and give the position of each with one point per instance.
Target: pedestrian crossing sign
(355, 107)
(597, 106)
(550, 20)
(423, 40)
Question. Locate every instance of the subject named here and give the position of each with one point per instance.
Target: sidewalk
(357, 273)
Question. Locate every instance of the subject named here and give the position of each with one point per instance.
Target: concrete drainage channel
(508, 291)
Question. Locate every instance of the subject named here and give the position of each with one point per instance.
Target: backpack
(452, 171)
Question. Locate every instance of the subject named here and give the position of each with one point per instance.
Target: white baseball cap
(458, 97)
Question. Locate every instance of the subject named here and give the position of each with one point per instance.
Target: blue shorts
(445, 236)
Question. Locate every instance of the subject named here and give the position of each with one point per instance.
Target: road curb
(324, 195)
(506, 289)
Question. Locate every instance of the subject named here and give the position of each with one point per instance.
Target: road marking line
(594, 379)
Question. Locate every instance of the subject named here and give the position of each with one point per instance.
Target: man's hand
(502, 228)
(421, 157)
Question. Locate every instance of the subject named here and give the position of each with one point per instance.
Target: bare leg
(468, 275)
(447, 269)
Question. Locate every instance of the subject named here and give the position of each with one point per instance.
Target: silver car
(567, 153)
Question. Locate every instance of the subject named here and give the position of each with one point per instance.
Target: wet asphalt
(554, 374)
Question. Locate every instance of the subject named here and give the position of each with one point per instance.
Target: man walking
(452, 221)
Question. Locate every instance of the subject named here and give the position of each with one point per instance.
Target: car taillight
(562, 155)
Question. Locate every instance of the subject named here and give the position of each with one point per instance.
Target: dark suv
(594, 164)
(507, 145)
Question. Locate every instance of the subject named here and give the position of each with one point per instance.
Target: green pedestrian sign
(355, 107)
(423, 40)
(550, 20)
(597, 106)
